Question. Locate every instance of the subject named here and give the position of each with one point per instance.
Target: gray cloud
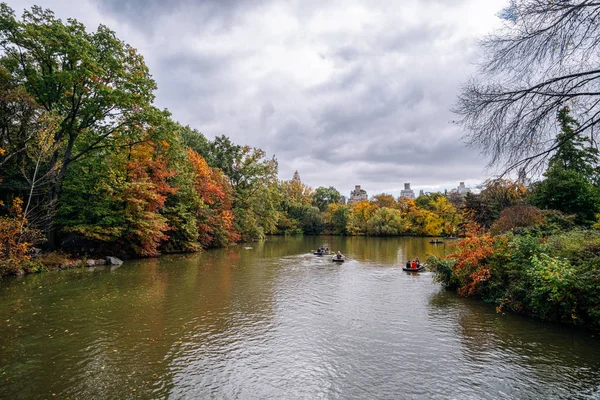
(346, 91)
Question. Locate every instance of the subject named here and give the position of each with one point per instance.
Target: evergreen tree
(572, 169)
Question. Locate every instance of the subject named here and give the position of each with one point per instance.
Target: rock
(113, 261)
(90, 263)
(100, 262)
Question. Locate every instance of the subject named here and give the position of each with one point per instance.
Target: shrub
(520, 216)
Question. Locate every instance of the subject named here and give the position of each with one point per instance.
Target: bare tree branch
(545, 57)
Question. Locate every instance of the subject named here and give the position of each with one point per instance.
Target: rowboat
(421, 268)
(336, 259)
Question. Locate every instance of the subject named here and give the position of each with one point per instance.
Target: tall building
(296, 177)
(358, 194)
(462, 189)
(407, 192)
(342, 200)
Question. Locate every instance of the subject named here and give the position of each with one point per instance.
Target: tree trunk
(55, 194)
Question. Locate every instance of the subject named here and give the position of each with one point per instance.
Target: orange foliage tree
(471, 267)
(144, 195)
(16, 238)
(384, 200)
(215, 220)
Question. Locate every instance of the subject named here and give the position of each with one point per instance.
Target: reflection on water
(274, 321)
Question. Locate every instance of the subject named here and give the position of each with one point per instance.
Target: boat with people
(338, 257)
(414, 266)
(322, 251)
(436, 241)
(418, 269)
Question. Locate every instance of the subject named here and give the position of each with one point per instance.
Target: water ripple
(265, 324)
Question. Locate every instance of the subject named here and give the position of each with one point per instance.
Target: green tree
(386, 222)
(426, 201)
(337, 216)
(323, 197)
(568, 185)
(253, 177)
(574, 151)
(312, 221)
(195, 140)
(98, 86)
(569, 192)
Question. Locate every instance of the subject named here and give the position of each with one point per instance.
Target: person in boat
(413, 265)
(339, 255)
(418, 262)
(408, 264)
(327, 249)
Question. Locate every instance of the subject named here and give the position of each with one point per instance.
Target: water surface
(274, 321)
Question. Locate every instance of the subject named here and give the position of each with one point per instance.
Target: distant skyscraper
(407, 192)
(296, 177)
(358, 194)
(461, 190)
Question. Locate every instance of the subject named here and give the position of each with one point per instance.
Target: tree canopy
(544, 57)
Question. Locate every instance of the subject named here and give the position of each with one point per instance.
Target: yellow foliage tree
(360, 213)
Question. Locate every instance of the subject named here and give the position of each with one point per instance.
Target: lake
(271, 320)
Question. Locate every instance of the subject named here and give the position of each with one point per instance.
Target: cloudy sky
(345, 91)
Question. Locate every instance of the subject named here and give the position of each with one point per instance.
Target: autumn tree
(519, 216)
(421, 221)
(144, 194)
(253, 178)
(361, 212)
(93, 82)
(26, 147)
(117, 196)
(384, 200)
(503, 193)
(448, 214)
(472, 267)
(215, 218)
(425, 201)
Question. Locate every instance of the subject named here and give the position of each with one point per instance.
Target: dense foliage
(555, 277)
(91, 167)
(540, 258)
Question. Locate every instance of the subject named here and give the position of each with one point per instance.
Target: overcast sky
(347, 92)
